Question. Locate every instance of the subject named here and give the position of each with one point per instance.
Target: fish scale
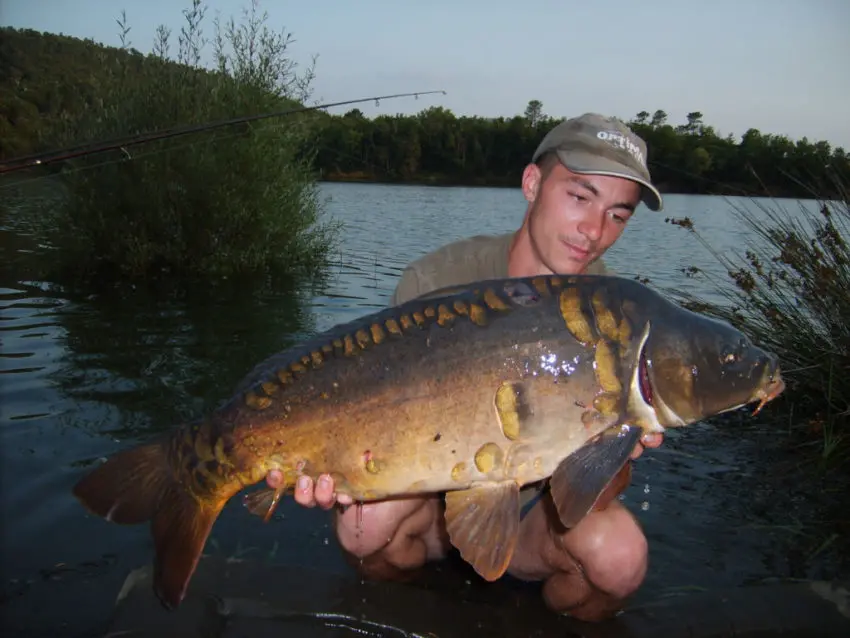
(474, 391)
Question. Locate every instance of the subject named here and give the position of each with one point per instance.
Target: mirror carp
(475, 391)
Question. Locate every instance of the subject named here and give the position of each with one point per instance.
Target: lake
(85, 374)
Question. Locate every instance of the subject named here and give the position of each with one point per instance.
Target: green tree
(534, 112)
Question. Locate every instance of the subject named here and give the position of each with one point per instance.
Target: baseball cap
(594, 144)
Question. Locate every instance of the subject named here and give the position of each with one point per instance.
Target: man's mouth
(577, 252)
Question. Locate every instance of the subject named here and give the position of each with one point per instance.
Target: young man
(586, 179)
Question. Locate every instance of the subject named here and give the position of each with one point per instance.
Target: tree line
(692, 157)
(47, 81)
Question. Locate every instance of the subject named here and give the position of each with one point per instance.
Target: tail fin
(137, 485)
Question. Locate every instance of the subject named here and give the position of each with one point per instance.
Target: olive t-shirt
(462, 262)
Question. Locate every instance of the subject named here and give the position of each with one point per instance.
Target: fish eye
(730, 355)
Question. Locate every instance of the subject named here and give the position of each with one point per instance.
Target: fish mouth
(773, 387)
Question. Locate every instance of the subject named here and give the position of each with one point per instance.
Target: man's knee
(612, 550)
(403, 532)
(364, 529)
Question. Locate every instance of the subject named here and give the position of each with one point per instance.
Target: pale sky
(782, 66)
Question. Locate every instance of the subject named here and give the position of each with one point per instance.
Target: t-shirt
(461, 262)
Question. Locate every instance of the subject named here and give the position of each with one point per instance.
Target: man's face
(573, 219)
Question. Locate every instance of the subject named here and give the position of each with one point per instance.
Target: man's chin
(574, 257)
(573, 266)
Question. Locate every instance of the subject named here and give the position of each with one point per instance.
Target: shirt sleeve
(408, 286)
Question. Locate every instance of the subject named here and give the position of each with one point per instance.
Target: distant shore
(439, 180)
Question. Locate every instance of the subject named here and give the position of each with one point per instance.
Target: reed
(789, 292)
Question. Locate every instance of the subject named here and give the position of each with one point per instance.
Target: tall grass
(790, 291)
(238, 200)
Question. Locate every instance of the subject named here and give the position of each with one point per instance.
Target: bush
(234, 200)
(790, 294)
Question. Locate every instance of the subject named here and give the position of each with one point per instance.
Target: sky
(780, 66)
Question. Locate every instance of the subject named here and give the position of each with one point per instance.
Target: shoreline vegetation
(244, 201)
(233, 202)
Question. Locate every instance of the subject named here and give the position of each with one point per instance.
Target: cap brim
(586, 164)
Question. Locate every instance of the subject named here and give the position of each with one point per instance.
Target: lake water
(85, 374)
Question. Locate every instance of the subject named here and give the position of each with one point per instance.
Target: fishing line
(41, 159)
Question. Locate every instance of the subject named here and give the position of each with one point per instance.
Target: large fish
(475, 391)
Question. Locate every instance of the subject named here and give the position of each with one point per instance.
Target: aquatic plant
(789, 292)
(243, 199)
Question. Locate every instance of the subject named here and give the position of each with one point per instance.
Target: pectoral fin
(263, 502)
(483, 523)
(580, 479)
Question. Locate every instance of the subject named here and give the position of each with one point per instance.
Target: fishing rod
(41, 159)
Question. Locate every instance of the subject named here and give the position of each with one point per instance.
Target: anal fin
(580, 479)
(483, 524)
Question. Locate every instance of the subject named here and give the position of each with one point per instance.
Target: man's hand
(323, 495)
(647, 440)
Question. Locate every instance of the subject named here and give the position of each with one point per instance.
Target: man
(582, 186)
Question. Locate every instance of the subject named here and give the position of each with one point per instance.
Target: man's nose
(591, 225)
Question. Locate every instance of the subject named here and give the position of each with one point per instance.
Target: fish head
(691, 367)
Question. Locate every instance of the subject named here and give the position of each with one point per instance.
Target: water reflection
(159, 357)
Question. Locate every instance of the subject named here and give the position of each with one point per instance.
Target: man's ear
(531, 178)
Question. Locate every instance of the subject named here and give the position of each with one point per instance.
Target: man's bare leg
(589, 570)
(391, 541)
